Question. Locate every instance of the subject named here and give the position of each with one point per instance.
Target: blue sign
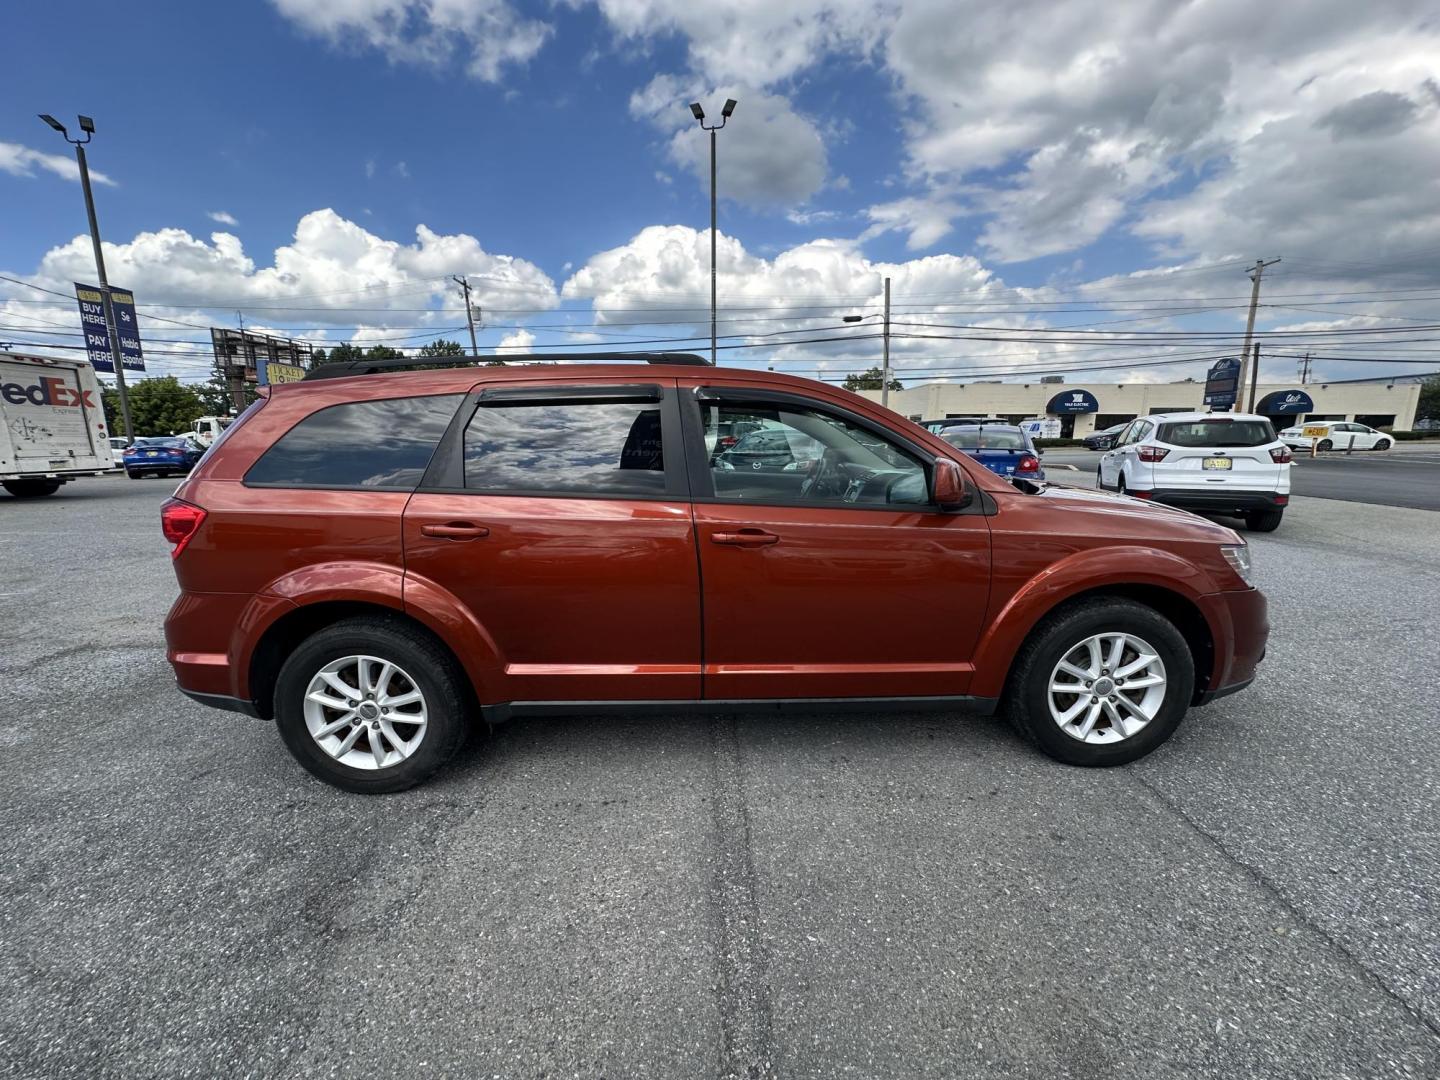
(1073, 401)
(1222, 384)
(1284, 403)
(92, 321)
(127, 328)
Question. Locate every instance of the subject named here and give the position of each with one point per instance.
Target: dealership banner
(92, 321)
(122, 302)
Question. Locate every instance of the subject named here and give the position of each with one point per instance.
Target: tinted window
(1218, 433)
(380, 444)
(996, 438)
(806, 455)
(594, 449)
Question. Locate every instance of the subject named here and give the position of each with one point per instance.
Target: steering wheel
(822, 479)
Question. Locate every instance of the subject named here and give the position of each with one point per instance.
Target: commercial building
(1085, 407)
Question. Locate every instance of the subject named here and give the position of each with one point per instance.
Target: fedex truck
(52, 424)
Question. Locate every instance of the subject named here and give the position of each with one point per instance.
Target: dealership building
(1092, 406)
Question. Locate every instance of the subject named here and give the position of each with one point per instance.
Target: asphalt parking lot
(815, 897)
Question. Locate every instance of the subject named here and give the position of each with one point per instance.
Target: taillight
(179, 521)
(1028, 464)
(1153, 453)
(1282, 500)
(1281, 455)
(1140, 494)
(728, 441)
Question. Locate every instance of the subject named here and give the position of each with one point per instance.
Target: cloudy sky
(1083, 182)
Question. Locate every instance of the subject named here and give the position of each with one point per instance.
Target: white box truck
(52, 424)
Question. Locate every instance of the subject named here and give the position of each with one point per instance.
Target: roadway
(652, 897)
(1407, 478)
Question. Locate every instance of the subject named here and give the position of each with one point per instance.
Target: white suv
(1220, 463)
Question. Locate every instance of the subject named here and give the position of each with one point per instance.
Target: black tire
(1324, 444)
(132, 475)
(434, 671)
(31, 489)
(1383, 444)
(1026, 703)
(1263, 520)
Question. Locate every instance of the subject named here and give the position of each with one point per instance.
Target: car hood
(1141, 517)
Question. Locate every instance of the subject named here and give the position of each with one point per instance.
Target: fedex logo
(48, 391)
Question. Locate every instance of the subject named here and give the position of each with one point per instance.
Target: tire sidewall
(445, 723)
(1068, 631)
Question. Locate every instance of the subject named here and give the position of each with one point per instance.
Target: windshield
(1217, 433)
(984, 438)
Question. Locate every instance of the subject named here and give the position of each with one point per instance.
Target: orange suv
(377, 557)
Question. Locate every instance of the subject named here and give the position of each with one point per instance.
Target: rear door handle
(745, 538)
(455, 530)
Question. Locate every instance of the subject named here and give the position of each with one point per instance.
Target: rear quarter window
(1217, 433)
(360, 444)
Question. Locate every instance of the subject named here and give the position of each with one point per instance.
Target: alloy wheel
(1107, 688)
(365, 712)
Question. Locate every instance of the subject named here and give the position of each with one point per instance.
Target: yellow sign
(278, 373)
(1313, 432)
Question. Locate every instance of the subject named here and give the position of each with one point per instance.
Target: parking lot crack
(1275, 893)
(743, 992)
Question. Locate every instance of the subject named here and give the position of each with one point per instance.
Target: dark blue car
(1002, 448)
(161, 456)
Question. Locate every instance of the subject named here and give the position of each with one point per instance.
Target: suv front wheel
(1103, 682)
(371, 705)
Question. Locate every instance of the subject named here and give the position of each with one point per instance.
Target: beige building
(1093, 406)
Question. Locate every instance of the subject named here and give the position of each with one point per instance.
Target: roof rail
(404, 363)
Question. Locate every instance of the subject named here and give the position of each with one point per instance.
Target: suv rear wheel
(371, 705)
(1101, 683)
(1263, 520)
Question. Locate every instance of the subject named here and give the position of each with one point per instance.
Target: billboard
(1222, 383)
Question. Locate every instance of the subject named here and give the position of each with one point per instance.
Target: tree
(157, 407)
(870, 380)
(214, 398)
(383, 352)
(442, 347)
(1429, 407)
(343, 353)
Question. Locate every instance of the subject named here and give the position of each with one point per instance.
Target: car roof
(1191, 417)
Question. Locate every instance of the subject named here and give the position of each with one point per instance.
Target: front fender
(1077, 573)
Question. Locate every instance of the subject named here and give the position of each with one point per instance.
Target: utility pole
(88, 126)
(1255, 274)
(725, 115)
(885, 364)
(1305, 370)
(464, 283)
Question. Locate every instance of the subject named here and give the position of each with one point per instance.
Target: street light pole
(725, 115)
(88, 126)
(885, 369)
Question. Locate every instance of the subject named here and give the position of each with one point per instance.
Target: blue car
(1002, 448)
(161, 456)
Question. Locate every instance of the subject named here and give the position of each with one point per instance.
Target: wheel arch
(996, 654)
(283, 635)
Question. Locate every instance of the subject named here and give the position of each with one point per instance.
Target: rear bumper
(158, 465)
(1240, 624)
(1220, 500)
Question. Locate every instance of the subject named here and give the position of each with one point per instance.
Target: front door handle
(455, 530)
(745, 538)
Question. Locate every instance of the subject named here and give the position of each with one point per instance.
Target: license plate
(1216, 463)
(156, 453)
(1313, 432)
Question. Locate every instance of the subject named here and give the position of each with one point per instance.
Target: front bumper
(1240, 625)
(1220, 500)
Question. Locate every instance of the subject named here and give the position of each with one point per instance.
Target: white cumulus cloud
(223, 217)
(19, 160)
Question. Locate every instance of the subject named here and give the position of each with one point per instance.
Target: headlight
(1238, 556)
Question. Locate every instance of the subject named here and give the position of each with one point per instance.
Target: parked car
(378, 557)
(1426, 425)
(937, 426)
(774, 448)
(118, 444)
(1221, 463)
(726, 435)
(1335, 435)
(162, 455)
(1004, 449)
(1104, 440)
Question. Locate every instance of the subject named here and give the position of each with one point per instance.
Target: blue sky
(1000, 165)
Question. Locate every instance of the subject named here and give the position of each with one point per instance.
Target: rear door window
(361, 444)
(1217, 433)
(568, 448)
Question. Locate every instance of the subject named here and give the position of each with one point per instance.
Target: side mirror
(948, 489)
